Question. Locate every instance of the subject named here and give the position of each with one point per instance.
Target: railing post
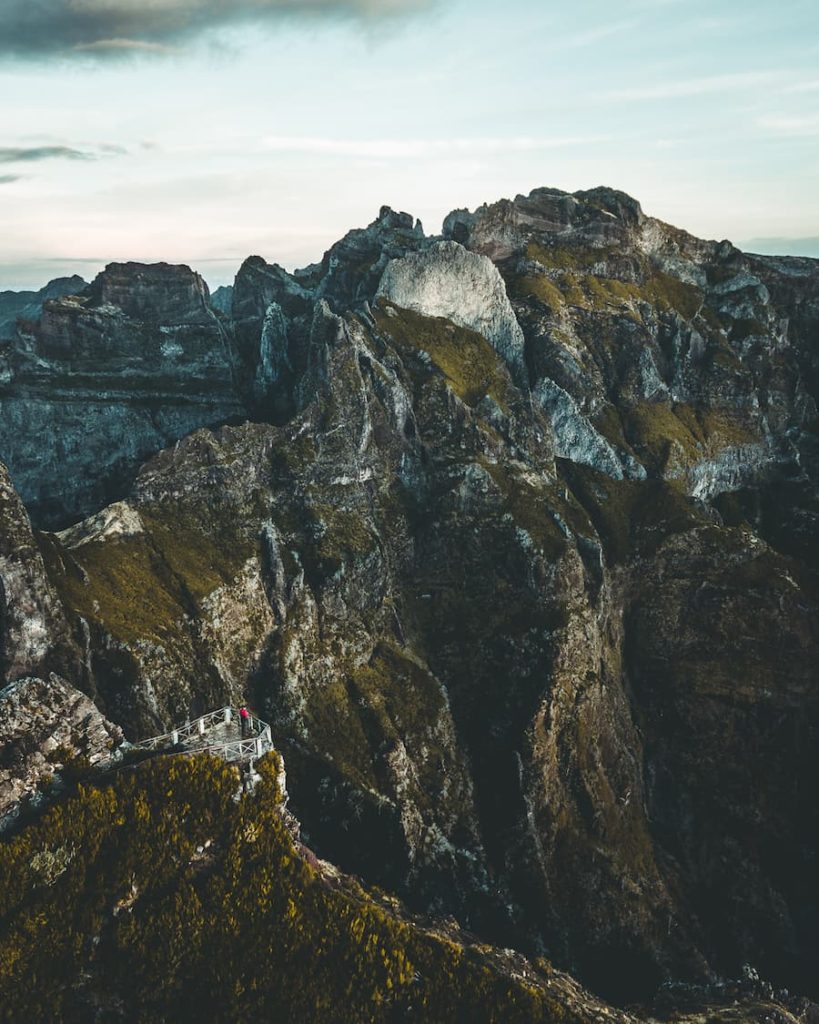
(228, 716)
(201, 726)
(259, 746)
(174, 736)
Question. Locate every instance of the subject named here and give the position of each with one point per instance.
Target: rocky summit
(511, 534)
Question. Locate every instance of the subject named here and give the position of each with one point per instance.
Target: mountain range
(511, 535)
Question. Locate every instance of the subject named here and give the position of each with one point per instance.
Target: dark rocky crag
(518, 556)
(105, 378)
(28, 305)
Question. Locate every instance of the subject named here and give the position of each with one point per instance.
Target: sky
(200, 132)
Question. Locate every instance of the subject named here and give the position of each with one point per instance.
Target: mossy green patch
(342, 531)
(607, 421)
(670, 292)
(529, 505)
(538, 286)
(369, 708)
(631, 516)
(559, 257)
(472, 368)
(663, 433)
(140, 586)
(568, 281)
(298, 453)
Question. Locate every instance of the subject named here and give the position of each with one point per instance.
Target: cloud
(9, 179)
(110, 27)
(33, 154)
(703, 86)
(791, 125)
(124, 46)
(407, 149)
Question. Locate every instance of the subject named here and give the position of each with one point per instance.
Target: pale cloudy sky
(197, 131)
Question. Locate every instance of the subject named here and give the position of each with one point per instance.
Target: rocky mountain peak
(599, 216)
(392, 220)
(153, 293)
(446, 280)
(28, 305)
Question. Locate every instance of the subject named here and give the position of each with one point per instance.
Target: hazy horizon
(219, 272)
(195, 133)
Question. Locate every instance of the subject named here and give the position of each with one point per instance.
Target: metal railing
(256, 741)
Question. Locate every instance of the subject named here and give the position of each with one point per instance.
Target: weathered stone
(27, 306)
(34, 633)
(106, 380)
(447, 280)
(46, 728)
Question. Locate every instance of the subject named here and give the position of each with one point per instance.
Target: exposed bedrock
(107, 378)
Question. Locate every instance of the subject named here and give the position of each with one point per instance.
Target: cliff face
(106, 378)
(47, 729)
(526, 582)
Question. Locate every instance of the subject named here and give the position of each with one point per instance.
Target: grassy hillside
(158, 897)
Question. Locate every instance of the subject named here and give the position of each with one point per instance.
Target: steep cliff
(525, 582)
(48, 730)
(106, 378)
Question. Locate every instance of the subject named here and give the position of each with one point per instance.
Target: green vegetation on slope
(632, 517)
(471, 366)
(591, 292)
(571, 281)
(158, 897)
(140, 586)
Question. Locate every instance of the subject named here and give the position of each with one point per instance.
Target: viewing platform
(221, 733)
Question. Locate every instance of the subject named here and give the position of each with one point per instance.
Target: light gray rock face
(46, 727)
(108, 378)
(274, 359)
(117, 520)
(733, 469)
(576, 439)
(448, 281)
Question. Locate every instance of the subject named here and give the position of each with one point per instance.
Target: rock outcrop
(28, 306)
(34, 634)
(448, 281)
(107, 378)
(222, 299)
(46, 729)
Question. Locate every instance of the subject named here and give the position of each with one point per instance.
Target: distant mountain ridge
(28, 305)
